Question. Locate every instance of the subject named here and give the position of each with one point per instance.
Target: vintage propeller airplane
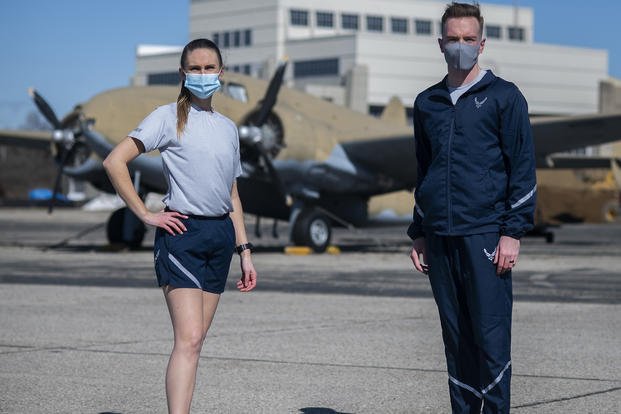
(332, 162)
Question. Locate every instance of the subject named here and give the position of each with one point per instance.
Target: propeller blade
(272, 171)
(269, 100)
(45, 109)
(59, 174)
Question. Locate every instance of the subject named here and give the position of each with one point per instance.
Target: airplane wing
(392, 157)
(358, 168)
(26, 138)
(581, 161)
(568, 133)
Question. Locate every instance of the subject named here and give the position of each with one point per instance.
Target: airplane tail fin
(394, 112)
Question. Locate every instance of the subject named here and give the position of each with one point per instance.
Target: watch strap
(245, 246)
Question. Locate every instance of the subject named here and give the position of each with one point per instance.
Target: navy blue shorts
(198, 258)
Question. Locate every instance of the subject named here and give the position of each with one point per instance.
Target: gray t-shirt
(201, 165)
(460, 90)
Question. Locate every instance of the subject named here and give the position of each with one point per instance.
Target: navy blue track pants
(475, 312)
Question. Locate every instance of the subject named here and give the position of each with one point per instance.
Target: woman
(203, 220)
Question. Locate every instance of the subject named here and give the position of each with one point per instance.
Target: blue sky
(71, 50)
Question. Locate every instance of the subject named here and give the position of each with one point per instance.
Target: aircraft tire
(116, 223)
(549, 237)
(312, 229)
(611, 212)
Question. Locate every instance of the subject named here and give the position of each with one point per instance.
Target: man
(475, 199)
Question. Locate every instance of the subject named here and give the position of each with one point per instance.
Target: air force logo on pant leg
(491, 255)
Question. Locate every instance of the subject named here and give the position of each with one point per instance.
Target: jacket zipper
(448, 176)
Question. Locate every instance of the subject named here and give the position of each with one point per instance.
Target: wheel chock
(333, 250)
(305, 250)
(298, 250)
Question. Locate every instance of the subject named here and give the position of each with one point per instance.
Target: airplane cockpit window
(235, 91)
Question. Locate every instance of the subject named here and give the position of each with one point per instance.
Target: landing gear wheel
(125, 228)
(312, 229)
(612, 212)
(549, 237)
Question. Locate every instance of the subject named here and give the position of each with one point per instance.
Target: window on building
(236, 38)
(167, 78)
(226, 41)
(376, 110)
(399, 25)
(299, 17)
(493, 31)
(440, 28)
(375, 23)
(423, 27)
(235, 91)
(349, 21)
(247, 37)
(516, 33)
(216, 38)
(325, 19)
(317, 67)
(246, 69)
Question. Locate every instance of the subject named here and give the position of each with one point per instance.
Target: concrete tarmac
(84, 329)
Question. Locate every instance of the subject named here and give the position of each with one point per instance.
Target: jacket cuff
(415, 231)
(515, 234)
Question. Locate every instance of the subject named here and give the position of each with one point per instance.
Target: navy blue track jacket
(476, 162)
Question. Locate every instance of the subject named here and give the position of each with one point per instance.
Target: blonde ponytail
(183, 109)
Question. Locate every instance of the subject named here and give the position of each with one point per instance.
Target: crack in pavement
(574, 397)
(309, 363)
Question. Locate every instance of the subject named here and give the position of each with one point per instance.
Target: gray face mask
(461, 56)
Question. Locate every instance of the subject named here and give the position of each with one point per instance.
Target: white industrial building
(360, 53)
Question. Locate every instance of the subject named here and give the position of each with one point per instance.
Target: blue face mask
(460, 55)
(202, 85)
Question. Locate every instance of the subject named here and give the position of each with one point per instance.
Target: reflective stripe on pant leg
(497, 380)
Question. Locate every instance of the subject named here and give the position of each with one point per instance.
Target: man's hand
(507, 253)
(419, 248)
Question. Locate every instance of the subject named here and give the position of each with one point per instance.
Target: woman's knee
(190, 342)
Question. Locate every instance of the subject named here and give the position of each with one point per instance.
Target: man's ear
(482, 46)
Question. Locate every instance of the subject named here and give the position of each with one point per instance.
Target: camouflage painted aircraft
(305, 160)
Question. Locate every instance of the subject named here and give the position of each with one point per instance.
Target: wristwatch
(246, 246)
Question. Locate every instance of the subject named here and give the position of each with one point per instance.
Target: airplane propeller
(269, 100)
(261, 124)
(256, 134)
(64, 137)
(45, 109)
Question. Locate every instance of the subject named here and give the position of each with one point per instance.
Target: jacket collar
(441, 88)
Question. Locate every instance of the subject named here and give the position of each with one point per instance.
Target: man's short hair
(456, 10)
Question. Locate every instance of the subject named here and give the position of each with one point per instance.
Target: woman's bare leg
(210, 303)
(186, 313)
